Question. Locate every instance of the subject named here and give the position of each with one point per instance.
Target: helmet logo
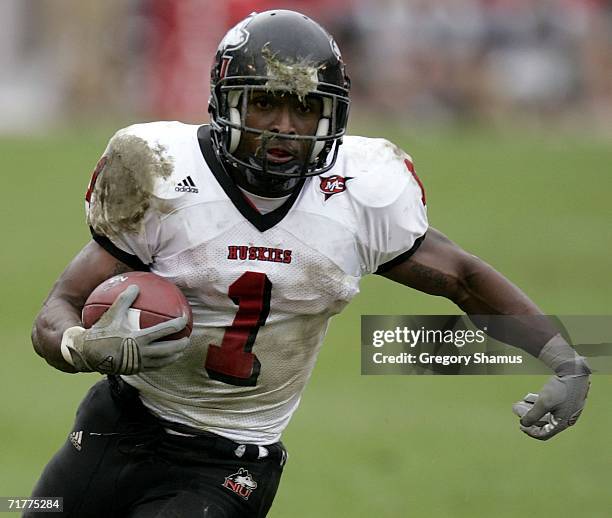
(232, 41)
(334, 184)
(236, 37)
(335, 48)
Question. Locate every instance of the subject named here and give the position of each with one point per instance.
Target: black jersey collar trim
(261, 222)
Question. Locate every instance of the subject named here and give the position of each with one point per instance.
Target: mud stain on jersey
(124, 191)
(299, 77)
(397, 151)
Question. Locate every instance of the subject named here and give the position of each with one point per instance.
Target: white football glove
(557, 406)
(113, 346)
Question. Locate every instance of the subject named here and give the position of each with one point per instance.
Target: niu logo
(241, 483)
(335, 184)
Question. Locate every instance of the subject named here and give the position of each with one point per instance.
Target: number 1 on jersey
(233, 362)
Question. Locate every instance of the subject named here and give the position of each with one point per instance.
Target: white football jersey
(263, 287)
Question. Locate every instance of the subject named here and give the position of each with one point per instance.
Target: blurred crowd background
(440, 61)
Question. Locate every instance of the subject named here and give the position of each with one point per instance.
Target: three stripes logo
(187, 185)
(76, 438)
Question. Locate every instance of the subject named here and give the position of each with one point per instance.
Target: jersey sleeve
(394, 219)
(121, 203)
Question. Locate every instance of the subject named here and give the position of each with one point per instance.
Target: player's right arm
(62, 308)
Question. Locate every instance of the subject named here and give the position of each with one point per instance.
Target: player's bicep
(88, 269)
(438, 267)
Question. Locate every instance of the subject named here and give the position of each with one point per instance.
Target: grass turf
(535, 206)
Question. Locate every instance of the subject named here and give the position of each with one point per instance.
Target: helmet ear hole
(233, 100)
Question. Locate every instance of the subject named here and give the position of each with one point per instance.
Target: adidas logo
(76, 438)
(186, 185)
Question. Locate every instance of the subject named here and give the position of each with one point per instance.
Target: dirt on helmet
(299, 77)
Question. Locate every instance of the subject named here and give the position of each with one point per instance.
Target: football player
(267, 219)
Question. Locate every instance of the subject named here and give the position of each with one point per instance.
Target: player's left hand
(557, 406)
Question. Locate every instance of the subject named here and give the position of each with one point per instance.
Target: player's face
(280, 113)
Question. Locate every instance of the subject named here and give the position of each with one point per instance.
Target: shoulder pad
(383, 171)
(136, 173)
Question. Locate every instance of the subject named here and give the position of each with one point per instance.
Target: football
(159, 300)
